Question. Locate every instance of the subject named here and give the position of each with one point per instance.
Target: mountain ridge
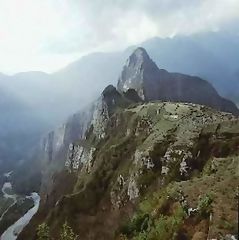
(151, 83)
(145, 147)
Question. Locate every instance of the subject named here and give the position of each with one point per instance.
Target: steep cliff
(56, 147)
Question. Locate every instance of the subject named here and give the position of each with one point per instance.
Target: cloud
(47, 34)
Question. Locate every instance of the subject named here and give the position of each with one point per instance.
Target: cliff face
(151, 83)
(55, 146)
(140, 73)
(59, 145)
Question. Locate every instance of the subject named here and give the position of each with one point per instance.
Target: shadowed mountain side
(151, 83)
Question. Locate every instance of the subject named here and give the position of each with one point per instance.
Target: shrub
(139, 223)
(167, 227)
(205, 205)
(67, 233)
(43, 232)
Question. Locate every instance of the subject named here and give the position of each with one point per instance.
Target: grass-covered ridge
(162, 171)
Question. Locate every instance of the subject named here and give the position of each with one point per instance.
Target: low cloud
(66, 29)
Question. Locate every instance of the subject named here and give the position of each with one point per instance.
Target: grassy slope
(99, 207)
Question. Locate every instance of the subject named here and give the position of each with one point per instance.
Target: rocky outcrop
(55, 145)
(140, 73)
(151, 83)
(62, 147)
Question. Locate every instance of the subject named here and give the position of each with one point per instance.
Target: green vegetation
(144, 226)
(158, 217)
(67, 233)
(205, 205)
(166, 227)
(43, 232)
(168, 206)
(139, 223)
(224, 224)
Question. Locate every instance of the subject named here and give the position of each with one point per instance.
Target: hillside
(167, 165)
(20, 130)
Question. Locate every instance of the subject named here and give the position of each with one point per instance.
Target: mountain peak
(138, 70)
(139, 54)
(151, 83)
(110, 89)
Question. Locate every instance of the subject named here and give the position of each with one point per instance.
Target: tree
(67, 233)
(43, 232)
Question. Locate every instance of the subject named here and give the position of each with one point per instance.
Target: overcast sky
(48, 34)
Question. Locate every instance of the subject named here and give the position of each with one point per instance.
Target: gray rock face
(58, 148)
(151, 83)
(74, 129)
(100, 118)
(55, 147)
(96, 114)
(104, 107)
(140, 73)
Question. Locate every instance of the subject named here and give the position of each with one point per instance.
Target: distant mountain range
(20, 130)
(51, 98)
(211, 56)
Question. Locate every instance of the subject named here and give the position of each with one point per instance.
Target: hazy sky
(48, 34)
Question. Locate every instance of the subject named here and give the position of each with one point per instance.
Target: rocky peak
(138, 57)
(111, 96)
(132, 95)
(138, 72)
(109, 100)
(151, 83)
(110, 89)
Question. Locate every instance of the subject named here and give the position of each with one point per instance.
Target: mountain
(151, 83)
(138, 161)
(140, 80)
(61, 98)
(53, 97)
(203, 55)
(141, 169)
(54, 147)
(20, 130)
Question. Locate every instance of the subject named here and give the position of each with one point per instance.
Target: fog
(47, 35)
